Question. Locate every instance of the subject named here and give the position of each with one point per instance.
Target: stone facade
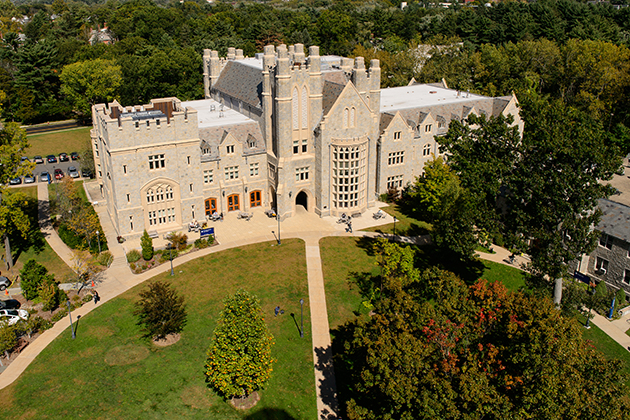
(279, 130)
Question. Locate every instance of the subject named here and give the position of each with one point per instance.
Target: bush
(51, 295)
(33, 275)
(166, 256)
(61, 314)
(8, 338)
(210, 240)
(69, 238)
(498, 240)
(146, 242)
(87, 298)
(133, 256)
(201, 243)
(160, 311)
(132, 266)
(105, 258)
(178, 240)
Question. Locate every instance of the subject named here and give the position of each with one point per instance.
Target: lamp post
(170, 255)
(98, 238)
(278, 217)
(74, 335)
(302, 318)
(394, 227)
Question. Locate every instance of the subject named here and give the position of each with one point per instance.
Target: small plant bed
(138, 263)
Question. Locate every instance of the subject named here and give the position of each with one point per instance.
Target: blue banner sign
(206, 232)
(582, 277)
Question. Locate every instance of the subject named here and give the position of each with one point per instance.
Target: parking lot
(50, 168)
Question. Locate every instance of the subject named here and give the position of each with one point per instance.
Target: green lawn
(405, 225)
(64, 141)
(511, 277)
(109, 372)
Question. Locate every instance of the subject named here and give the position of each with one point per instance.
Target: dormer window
(230, 149)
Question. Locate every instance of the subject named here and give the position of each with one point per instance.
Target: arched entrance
(302, 200)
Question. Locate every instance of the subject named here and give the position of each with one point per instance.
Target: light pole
(302, 318)
(170, 254)
(70, 315)
(394, 227)
(98, 238)
(278, 217)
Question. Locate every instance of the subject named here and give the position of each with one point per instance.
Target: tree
(479, 351)
(33, 275)
(90, 82)
(8, 339)
(146, 242)
(83, 264)
(436, 188)
(160, 311)
(50, 294)
(83, 221)
(239, 358)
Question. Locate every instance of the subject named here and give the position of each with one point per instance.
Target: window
(210, 206)
(230, 149)
(396, 158)
(251, 143)
(128, 198)
(301, 174)
(157, 122)
(427, 128)
(626, 276)
(208, 177)
(394, 182)
(296, 147)
(601, 265)
(426, 149)
(231, 172)
(137, 124)
(124, 169)
(346, 117)
(348, 176)
(131, 222)
(606, 241)
(188, 158)
(397, 135)
(254, 199)
(190, 187)
(304, 145)
(156, 161)
(253, 169)
(161, 216)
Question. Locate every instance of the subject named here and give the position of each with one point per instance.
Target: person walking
(96, 297)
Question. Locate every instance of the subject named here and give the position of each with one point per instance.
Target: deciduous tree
(32, 276)
(160, 311)
(239, 358)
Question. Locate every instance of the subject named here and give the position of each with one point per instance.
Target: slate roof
(615, 219)
(211, 137)
(330, 93)
(386, 119)
(242, 82)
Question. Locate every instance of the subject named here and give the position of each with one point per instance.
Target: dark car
(74, 156)
(10, 304)
(58, 173)
(29, 179)
(24, 159)
(44, 177)
(72, 171)
(38, 159)
(51, 159)
(63, 157)
(86, 173)
(15, 181)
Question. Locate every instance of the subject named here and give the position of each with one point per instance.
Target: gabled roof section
(242, 82)
(349, 87)
(330, 93)
(467, 111)
(386, 119)
(385, 124)
(615, 219)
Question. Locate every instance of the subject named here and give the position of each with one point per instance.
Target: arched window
(353, 116)
(304, 115)
(295, 103)
(345, 117)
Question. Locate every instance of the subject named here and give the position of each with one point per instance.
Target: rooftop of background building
(415, 96)
(327, 61)
(211, 113)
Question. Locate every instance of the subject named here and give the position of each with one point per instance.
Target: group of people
(193, 226)
(216, 216)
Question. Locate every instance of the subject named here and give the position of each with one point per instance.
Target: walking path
(118, 278)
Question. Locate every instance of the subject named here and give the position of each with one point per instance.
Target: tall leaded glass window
(349, 176)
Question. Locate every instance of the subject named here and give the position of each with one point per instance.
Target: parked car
(51, 159)
(63, 157)
(29, 179)
(74, 156)
(38, 159)
(72, 171)
(10, 304)
(4, 283)
(12, 316)
(24, 158)
(58, 173)
(15, 181)
(44, 177)
(86, 173)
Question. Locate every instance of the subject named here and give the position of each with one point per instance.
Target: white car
(11, 316)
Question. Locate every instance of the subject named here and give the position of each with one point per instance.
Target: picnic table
(244, 215)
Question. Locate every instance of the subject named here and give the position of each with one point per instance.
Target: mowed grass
(405, 225)
(63, 141)
(110, 372)
(511, 277)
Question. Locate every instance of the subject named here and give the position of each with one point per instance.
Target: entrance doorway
(302, 200)
(210, 206)
(254, 199)
(233, 202)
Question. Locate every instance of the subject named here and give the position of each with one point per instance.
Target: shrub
(61, 314)
(132, 266)
(239, 358)
(133, 255)
(160, 311)
(146, 242)
(105, 258)
(51, 295)
(33, 275)
(166, 256)
(178, 240)
(201, 243)
(8, 338)
(69, 238)
(210, 240)
(87, 298)
(498, 240)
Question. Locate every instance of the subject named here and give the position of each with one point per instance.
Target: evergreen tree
(146, 242)
(33, 275)
(160, 310)
(239, 358)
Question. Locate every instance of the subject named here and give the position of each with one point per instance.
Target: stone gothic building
(278, 130)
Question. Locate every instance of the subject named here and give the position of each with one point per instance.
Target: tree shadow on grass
(343, 366)
(270, 414)
(328, 383)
